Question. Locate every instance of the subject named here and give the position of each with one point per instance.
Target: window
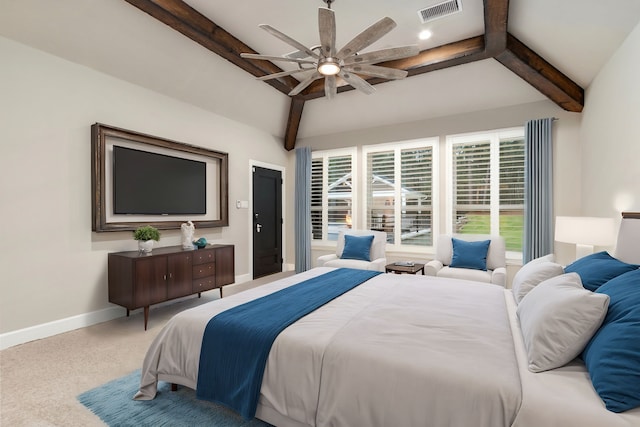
(399, 191)
(332, 189)
(486, 185)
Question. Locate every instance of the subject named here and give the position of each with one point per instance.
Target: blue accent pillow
(612, 356)
(469, 254)
(357, 247)
(596, 269)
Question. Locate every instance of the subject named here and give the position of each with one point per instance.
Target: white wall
(53, 267)
(610, 135)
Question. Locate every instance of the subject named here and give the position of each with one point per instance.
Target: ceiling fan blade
(291, 42)
(306, 82)
(377, 71)
(327, 28)
(285, 73)
(357, 82)
(330, 87)
(367, 37)
(383, 55)
(276, 58)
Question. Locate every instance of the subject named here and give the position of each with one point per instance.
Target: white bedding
(397, 350)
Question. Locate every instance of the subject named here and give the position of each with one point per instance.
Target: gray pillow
(558, 317)
(532, 273)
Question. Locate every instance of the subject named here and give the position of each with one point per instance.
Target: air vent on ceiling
(440, 10)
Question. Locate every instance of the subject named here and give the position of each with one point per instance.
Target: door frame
(282, 170)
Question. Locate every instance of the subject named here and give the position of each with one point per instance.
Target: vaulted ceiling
(496, 42)
(494, 53)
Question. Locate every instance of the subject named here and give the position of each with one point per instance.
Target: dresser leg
(146, 316)
(127, 312)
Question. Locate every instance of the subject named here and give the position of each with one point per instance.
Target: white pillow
(545, 258)
(532, 273)
(558, 317)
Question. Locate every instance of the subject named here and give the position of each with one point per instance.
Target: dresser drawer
(204, 270)
(203, 256)
(204, 284)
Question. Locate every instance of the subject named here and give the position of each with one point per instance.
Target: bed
(398, 350)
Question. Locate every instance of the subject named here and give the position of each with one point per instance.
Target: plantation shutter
(340, 189)
(381, 192)
(331, 195)
(512, 192)
(399, 192)
(472, 187)
(316, 198)
(416, 191)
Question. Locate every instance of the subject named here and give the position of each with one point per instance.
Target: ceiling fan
(325, 61)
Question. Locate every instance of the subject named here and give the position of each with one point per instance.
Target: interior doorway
(267, 221)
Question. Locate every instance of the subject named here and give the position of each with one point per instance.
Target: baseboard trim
(56, 327)
(243, 278)
(45, 330)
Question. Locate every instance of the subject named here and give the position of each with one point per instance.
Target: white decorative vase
(145, 246)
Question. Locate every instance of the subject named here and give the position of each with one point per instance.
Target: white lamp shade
(585, 230)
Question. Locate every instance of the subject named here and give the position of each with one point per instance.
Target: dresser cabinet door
(150, 281)
(225, 268)
(179, 275)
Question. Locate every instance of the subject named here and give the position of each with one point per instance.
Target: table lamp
(584, 232)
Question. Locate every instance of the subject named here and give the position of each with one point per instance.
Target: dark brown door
(267, 221)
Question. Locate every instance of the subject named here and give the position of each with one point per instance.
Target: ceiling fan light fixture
(326, 62)
(328, 67)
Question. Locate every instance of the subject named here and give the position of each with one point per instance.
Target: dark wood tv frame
(99, 134)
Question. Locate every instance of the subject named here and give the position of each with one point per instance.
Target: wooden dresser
(139, 280)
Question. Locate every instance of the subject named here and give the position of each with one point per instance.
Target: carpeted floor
(40, 380)
(113, 404)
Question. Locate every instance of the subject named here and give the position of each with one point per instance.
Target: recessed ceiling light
(424, 34)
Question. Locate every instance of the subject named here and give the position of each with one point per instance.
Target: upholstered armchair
(361, 249)
(477, 257)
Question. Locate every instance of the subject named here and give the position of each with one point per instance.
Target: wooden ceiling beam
(540, 74)
(445, 56)
(293, 122)
(186, 20)
(496, 15)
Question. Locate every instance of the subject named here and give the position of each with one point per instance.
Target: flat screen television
(146, 183)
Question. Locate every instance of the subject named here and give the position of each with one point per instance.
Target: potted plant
(145, 236)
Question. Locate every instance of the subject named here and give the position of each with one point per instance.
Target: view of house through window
(399, 191)
(487, 185)
(331, 194)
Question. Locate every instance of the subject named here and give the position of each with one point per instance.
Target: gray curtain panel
(538, 187)
(303, 209)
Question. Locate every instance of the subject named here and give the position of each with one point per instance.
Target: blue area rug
(113, 403)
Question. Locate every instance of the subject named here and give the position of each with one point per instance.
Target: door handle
(258, 227)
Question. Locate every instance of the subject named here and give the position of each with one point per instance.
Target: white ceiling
(576, 36)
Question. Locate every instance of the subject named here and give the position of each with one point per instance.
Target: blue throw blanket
(237, 342)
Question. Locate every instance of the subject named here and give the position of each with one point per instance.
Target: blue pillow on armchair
(357, 247)
(469, 254)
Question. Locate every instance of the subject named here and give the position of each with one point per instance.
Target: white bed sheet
(406, 383)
